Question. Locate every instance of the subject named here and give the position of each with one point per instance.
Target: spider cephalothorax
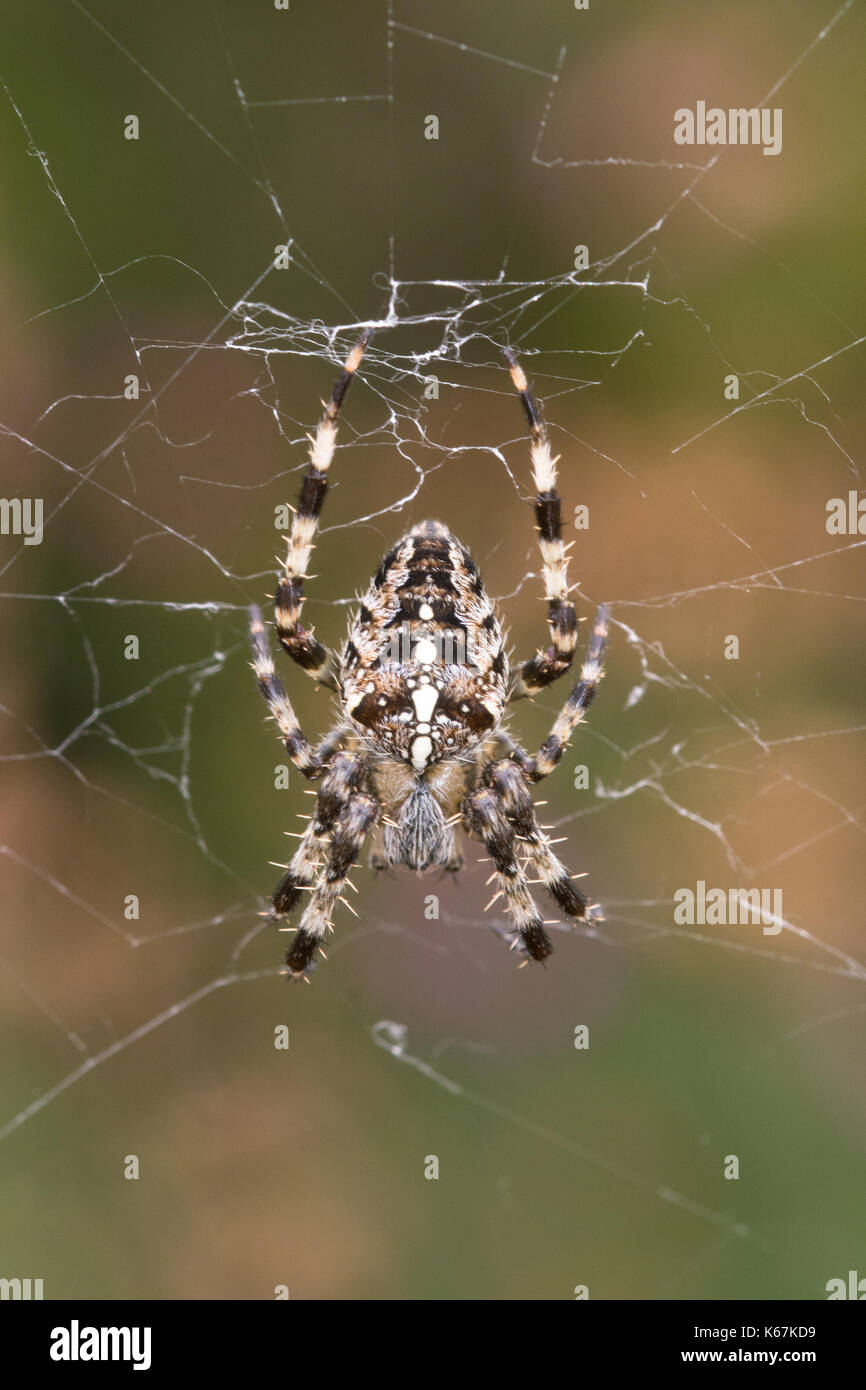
(423, 683)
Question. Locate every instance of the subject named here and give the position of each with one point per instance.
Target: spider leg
(338, 785)
(506, 778)
(484, 816)
(574, 709)
(351, 827)
(297, 640)
(547, 666)
(297, 744)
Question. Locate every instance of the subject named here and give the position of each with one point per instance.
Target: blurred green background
(558, 1167)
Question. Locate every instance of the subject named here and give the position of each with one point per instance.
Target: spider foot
(569, 897)
(300, 959)
(287, 894)
(532, 943)
(535, 943)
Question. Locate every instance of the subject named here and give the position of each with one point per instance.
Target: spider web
(156, 777)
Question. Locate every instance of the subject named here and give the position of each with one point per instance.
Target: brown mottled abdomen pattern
(424, 674)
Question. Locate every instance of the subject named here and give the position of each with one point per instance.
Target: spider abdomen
(424, 673)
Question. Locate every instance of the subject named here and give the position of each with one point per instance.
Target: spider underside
(423, 683)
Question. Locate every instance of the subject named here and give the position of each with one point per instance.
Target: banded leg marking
(506, 778)
(575, 707)
(349, 832)
(300, 643)
(484, 817)
(547, 666)
(297, 745)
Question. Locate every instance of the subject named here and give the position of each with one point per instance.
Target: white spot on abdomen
(424, 701)
(421, 749)
(424, 651)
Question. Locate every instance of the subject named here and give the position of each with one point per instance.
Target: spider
(422, 683)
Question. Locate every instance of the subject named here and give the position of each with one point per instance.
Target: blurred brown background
(558, 1167)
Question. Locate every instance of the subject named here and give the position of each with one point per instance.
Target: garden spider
(422, 683)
